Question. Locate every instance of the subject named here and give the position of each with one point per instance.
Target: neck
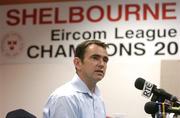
(91, 86)
(89, 83)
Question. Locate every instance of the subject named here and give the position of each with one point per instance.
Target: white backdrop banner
(49, 32)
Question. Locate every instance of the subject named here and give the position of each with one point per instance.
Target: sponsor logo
(11, 44)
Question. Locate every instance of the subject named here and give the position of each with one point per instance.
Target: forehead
(96, 49)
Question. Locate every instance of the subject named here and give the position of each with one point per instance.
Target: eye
(14, 42)
(95, 57)
(9, 42)
(105, 59)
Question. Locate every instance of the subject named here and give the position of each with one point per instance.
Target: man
(80, 98)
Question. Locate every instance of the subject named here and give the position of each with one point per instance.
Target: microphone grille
(151, 108)
(139, 83)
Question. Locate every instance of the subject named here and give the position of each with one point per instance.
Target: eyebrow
(106, 57)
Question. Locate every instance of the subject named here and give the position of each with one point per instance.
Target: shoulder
(64, 92)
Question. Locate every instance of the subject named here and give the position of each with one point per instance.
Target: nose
(102, 63)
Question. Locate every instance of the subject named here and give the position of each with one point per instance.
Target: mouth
(12, 48)
(99, 72)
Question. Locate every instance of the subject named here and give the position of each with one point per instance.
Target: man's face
(94, 64)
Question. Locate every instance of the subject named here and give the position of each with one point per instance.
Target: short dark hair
(81, 48)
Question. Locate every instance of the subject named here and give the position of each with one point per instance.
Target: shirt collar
(81, 87)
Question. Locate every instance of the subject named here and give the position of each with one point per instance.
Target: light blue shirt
(74, 100)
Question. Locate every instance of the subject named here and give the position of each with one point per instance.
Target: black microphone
(153, 108)
(149, 88)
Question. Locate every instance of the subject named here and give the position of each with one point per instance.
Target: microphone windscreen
(151, 108)
(139, 83)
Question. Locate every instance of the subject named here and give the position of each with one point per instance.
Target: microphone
(149, 88)
(153, 108)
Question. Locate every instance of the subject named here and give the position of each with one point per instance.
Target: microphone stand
(159, 114)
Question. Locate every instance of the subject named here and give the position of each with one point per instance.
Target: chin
(99, 78)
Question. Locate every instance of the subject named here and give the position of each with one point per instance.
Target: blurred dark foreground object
(19, 113)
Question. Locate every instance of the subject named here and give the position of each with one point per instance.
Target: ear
(77, 63)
